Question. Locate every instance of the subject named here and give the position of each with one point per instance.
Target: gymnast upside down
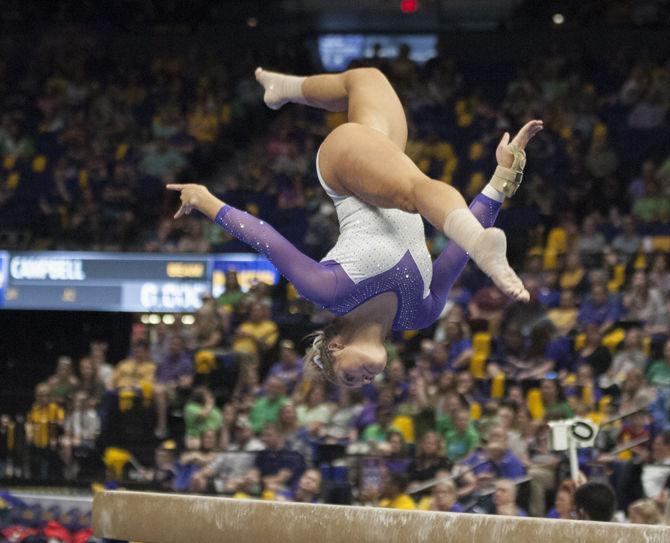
(379, 276)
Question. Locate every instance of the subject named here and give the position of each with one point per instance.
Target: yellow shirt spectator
(257, 334)
(44, 420)
(402, 501)
(131, 372)
(136, 370)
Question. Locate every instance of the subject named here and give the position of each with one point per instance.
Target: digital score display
(118, 281)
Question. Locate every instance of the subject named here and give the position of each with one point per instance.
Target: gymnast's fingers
(528, 130)
(183, 210)
(175, 186)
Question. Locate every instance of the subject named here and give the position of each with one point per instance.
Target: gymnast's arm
(312, 280)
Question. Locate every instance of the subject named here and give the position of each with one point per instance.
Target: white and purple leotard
(378, 250)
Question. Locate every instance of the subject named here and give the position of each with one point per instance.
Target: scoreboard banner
(4, 265)
(125, 282)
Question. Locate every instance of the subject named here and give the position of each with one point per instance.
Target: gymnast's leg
(365, 158)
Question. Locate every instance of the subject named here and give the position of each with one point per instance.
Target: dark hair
(199, 394)
(596, 500)
(399, 480)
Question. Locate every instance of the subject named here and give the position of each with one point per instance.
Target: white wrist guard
(507, 180)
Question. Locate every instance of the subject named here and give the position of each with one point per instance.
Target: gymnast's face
(356, 365)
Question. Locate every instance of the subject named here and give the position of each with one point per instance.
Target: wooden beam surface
(172, 518)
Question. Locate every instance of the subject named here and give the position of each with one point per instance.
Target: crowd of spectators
(464, 402)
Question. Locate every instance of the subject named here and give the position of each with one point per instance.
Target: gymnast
(379, 276)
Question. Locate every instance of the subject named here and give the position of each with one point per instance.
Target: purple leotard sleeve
(320, 283)
(449, 265)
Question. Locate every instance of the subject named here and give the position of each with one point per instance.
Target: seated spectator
(594, 353)
(342, 423)
(442, 394)
(466, 388)
(504, 499)
(80, 430)
(174, 379)
(299, 438)
(495, 459)
(627, 242)
(231, 298)
(397, 380)
(659, 276)
(417, 408)
(98, 354)
(316, 408)
(227, 473)
(510, 346)
(278, 466)
(599, 309)
(385, 399)
(206, 331)
(506, 417)
(161, 476)
(553, 400)
(64, 382)
(564, 317)
(289, 366)
(460, 435)
(248, 386)
(89, 382)
(306, 491)
(378, 432)
(394, 492)
(445, 498)
(137, 370)
(595, 501)
(590, 243)
(266, 408)
(565, 502)
(428, 460)
(644, 512)
(195, 458)
(395, 452)
(257, 334)
(543, 465)
(631, 357)
(549, 293)
(659, 371)
(655, 475)
(573, 276)
(635, 394)
(642, 302)
(201, 415)
(455, 333)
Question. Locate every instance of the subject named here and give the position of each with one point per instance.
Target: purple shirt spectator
(176, 363)
(504, 464)
(599, 308)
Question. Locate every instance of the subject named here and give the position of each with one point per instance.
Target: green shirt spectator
(266, 409)
(201, 414)
(232, 295)
(659, 372)
(558, 410)
(198, 421)
(460, 436)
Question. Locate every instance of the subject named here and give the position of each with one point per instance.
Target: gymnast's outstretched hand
(194, 196)
(504, 155)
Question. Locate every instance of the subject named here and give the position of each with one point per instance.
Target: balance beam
(171, 518)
